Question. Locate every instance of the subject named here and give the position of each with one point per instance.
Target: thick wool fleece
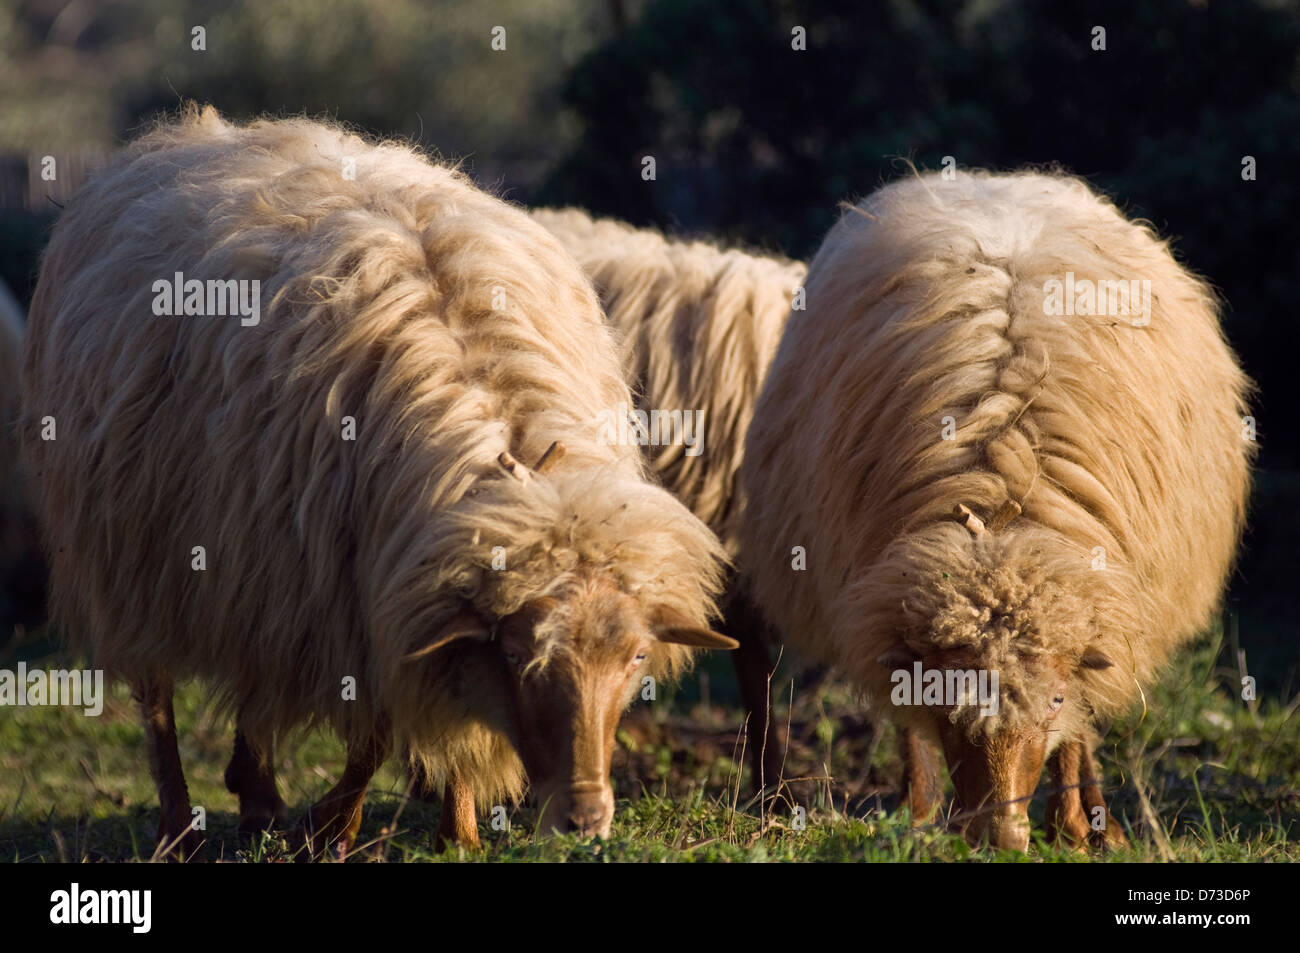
(699, 325)
(444, 324)
(1120, 436)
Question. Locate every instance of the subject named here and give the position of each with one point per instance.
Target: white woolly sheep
(1008, 433)
(315, 504)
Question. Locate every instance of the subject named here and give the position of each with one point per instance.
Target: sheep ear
(690, 635)
(464, 624)
(1094, 658)
(900, 656)
(669, 625)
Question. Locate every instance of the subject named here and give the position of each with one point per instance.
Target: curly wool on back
(449, 325)
(699, 325)
(1121, 442)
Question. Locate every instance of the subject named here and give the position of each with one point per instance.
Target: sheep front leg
(459, 825)
(336, 818)
(1111, 837)
(251, 776)
(921, 785)
(1066, 820)
(177, 838)
(1075, 798)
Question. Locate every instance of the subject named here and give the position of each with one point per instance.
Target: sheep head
(996, 722)
(576, 661)
(574, 657)
(997, 643)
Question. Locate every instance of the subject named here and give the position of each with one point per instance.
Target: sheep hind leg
(921, 784)
(1066, 820)
(251, 777)
(459, 824)
(333, 822)
(754, 669)
(1111, 836)
(177, 839)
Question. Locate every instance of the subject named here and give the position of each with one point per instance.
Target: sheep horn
(513, 466)
(553, 455)
(1009, 511)
(963, 514)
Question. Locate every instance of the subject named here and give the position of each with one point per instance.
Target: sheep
(699, 325)
(317, 501)
(22, 570)
(987, 478)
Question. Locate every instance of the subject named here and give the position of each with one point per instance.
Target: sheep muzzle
(994, 783)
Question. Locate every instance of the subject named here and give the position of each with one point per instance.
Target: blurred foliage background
(755, 141)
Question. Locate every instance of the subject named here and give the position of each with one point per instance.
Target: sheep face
(996, 760)
(996, 636)
(576, 660)
(996, 752)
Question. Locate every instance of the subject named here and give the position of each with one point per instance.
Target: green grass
(1222, 779)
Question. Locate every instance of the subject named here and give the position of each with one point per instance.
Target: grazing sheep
(313, 500)
(986, 478)
(699, 326)
(22, 570)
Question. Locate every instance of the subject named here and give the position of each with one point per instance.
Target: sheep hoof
(302, 847)
(262, 819)
(1111, 838)
(322, 837)
(176, 849)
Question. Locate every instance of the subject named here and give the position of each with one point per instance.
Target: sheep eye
(1057, 702)
(640, 658)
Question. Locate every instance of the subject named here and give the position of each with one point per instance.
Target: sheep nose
(586, 815)
(1009, 833)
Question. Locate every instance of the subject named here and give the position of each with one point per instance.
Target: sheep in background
(699, 325)
(991, 473)
(314, 501)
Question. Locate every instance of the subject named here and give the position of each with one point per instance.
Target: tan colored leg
(1112, 836)
(1066, 820)
(176, 836)
(921, 784)
(332, 824)
(459, 825)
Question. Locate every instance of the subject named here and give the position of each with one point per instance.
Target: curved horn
(1009, 511)
(963, 514)
(513, 466)
(553, 455)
